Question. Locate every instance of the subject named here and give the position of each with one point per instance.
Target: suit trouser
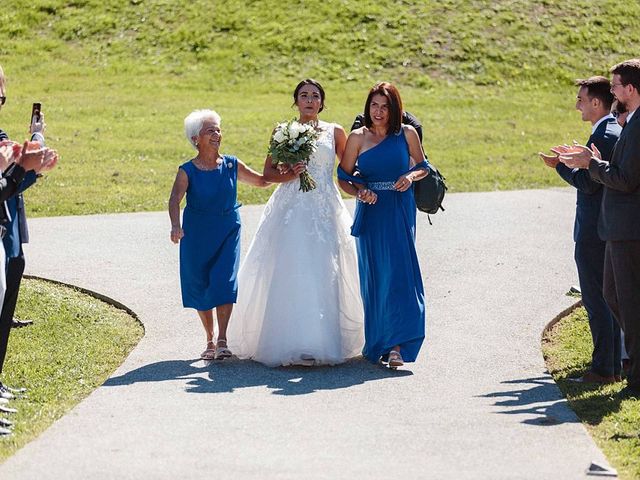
(622, 292)
(605, 332)
(14, 271)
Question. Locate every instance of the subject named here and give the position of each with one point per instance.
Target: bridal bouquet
(294, 142)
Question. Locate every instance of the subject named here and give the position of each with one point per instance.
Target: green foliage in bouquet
(294, 142)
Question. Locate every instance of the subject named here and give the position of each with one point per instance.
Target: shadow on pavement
(228, 375)
(539, 397)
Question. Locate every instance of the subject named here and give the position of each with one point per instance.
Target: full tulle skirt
(299, 299)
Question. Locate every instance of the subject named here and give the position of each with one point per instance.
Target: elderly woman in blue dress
(388, 158)
(210, 233)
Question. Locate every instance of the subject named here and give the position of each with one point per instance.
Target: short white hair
(194, 121)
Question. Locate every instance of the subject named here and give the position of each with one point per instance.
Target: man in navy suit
(619, 222)
(594, 103)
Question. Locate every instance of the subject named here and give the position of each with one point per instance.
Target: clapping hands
(574, 156)
(6, 154)
(579, 156)
(550, 160)
(50, 160)
(30, 156)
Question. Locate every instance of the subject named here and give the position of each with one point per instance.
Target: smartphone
(35, 112)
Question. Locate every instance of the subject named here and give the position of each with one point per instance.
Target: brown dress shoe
(591, 377)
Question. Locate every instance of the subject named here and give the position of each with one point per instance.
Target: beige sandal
(209, 353)
(395, 359)
(222, 351)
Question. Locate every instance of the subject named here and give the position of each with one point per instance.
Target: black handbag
(429, 192)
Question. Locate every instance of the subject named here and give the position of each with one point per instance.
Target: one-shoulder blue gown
(390, 279)
(210, 248)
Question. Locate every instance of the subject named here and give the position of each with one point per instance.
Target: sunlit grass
(491, 82)
(614, 424)
(73, 346)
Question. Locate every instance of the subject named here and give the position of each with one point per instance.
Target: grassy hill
(491, 81)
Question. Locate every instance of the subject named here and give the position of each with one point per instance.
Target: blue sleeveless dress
(210, 248)
(390, 279)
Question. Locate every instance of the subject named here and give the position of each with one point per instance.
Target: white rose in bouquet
(296, 129)
(279, 136)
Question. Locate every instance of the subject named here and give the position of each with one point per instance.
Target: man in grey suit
(619, 222)
(594, 101)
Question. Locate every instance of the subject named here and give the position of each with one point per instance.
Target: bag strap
(418, 166)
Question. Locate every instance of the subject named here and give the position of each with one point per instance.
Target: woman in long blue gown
(379, 155)
(210, 233)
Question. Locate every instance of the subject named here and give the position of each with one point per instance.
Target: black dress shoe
(5, 409)
(16, 390)
(15, 323)
(628, 392)
(5, 393)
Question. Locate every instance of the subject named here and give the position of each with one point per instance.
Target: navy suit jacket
(620, 212)
(589, 196)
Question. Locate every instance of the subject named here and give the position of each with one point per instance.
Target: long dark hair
(309, 81)
(395, 103)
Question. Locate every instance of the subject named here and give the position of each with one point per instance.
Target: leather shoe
(591, 377)
(628, 392)
(15, 323)
(5, 393)
(11, 393)
(16, 390)
(5, 409)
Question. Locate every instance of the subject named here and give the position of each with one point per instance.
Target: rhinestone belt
(381, 185)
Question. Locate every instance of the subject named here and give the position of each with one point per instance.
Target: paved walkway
(477, 405)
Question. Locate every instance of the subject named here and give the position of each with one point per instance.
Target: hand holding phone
(35, 112)
(37, 118)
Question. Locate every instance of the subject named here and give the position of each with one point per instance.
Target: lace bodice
(322, 163)
(319, 206)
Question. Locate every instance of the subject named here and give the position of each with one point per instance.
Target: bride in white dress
(299, 300)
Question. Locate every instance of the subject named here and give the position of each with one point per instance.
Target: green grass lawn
(613, 424)
(491, 82)
(123, 156)
(75, 343)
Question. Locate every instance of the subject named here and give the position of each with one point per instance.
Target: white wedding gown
(298, 287)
